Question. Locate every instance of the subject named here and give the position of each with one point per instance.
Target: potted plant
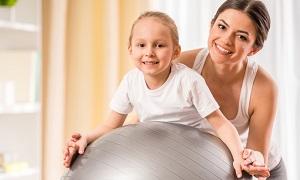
(8, 3)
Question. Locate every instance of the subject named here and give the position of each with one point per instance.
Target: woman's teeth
(223, 50)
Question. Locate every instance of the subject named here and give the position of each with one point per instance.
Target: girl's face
(232, 37)
(152, 48)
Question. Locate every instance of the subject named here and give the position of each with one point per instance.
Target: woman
(247, 95)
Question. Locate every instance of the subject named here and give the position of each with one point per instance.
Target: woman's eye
(243, 38)
(221, 26)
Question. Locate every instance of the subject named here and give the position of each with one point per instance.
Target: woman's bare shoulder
(188, 57)
(264, 88)
(264, 81)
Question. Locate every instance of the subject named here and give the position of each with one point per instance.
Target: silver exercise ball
(154, 151)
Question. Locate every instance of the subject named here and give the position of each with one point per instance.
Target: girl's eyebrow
(240, 31)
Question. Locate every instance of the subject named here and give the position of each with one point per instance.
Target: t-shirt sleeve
(202, 98)
(120, 101)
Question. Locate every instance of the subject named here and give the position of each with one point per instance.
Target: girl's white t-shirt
(184, 98)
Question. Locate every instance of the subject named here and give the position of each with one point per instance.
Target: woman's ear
(212, 22)
(254, 51)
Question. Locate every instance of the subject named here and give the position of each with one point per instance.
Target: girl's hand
(76, 144)
(237, 167)
(254, 163)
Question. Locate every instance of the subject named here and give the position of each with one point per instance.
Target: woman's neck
(224, 73)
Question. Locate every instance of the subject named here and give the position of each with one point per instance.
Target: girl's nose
(149, 52)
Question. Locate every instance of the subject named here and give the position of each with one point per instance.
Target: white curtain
(278, 57)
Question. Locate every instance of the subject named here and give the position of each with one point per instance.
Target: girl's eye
(159, 45)
(221, 26)
(140, 45)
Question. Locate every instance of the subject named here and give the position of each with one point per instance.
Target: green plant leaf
(8, 3)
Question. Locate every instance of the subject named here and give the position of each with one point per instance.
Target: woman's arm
(263, 106)
(188, 57)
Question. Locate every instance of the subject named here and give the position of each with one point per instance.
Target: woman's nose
(228, 38)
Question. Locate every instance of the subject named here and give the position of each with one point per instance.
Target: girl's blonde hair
(164, 19)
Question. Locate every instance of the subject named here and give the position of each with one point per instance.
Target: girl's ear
(129, 49)
(177, 52)
(254, 51)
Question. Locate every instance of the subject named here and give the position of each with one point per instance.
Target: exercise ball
(154, 151)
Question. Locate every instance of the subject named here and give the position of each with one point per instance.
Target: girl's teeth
(150, 62)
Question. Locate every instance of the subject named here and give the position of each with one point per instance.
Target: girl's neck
(224, 73)
(154, 82)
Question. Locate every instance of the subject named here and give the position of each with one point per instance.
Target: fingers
(81, 147)
(257, 171)
(249, 160)
(81, 150)
(254, 158)
(67, 164)
(261, 178)
(254, 163)
(259, 159)
(246, 153)
(238, 173)
(69, 157)
(258, 164)
(76, 136)
(69, 151)
(67, 161)
(238, 169)
(260, 171)
(66, 151)
(71, 148)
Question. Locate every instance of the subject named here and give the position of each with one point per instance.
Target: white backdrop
(279, 57)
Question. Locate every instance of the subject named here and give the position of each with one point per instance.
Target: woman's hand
(76, 144)
(254, 163)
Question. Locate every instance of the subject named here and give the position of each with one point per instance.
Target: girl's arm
(132, 118)
(113, 121)
(78, 142)
(229, 135)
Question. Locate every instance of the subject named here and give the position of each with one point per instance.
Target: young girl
(160, 90)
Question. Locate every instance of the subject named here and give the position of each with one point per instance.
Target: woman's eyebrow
(240, 31)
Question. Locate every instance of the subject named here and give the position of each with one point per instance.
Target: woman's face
(232, 37)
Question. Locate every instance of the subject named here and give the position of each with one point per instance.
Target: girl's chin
(149, 72)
